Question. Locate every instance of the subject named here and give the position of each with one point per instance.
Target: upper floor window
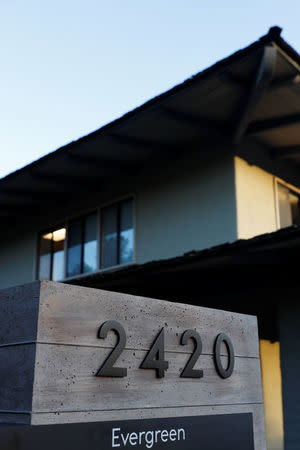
(288, 205)
(51, 255)
(117, 234)
(75, 248)
(82, 245)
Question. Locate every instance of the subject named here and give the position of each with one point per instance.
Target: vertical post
(289, 330)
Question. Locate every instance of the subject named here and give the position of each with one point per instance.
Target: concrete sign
(71, 354)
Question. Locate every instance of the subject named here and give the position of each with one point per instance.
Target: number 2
(189, 371)
(107, 369)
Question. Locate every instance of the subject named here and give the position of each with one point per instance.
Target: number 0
(224, 373)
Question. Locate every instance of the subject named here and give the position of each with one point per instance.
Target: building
(194, 197)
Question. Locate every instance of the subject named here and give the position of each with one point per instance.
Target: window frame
(81, 218)
(38, 246)
(291, 187)
(118, 203)
(81, 215)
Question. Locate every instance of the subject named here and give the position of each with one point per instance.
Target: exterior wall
(17, 258)
(255, 199)
(202, 200)
(189, 207)
(255, 171)
(272, 394)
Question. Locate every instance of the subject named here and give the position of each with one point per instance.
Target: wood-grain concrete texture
(52, 353)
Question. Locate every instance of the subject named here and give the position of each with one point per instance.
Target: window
(288, 206)
(73, 249)
(51, 255)
(82, 245)
(117, 234)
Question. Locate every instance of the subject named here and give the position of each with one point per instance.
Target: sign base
(228, 431)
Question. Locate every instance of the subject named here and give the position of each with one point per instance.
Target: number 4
(155, 358)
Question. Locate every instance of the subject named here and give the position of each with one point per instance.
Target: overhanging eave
(170, 125)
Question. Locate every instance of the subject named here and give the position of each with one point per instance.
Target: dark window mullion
(66, 247)
(51, 258)
(118, 232)
(82, 243)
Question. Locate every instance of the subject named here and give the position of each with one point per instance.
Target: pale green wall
(190, 206)
(17, 256)
(186, 205)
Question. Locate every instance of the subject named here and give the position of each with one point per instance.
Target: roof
(275, 248)
(247, 276)
(258, 88)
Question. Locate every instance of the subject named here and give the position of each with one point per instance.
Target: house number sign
(155, 357)
(138, 373)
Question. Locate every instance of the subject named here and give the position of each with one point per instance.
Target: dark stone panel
(15, 419)
(19, 308)
(16, 377)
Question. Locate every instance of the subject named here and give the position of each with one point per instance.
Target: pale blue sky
(70, 66)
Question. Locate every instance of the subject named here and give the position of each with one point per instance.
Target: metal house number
(155, 357)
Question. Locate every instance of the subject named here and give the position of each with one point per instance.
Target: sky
(69, 66)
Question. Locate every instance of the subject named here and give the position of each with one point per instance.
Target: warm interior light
(59, 235)
(47, 236)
